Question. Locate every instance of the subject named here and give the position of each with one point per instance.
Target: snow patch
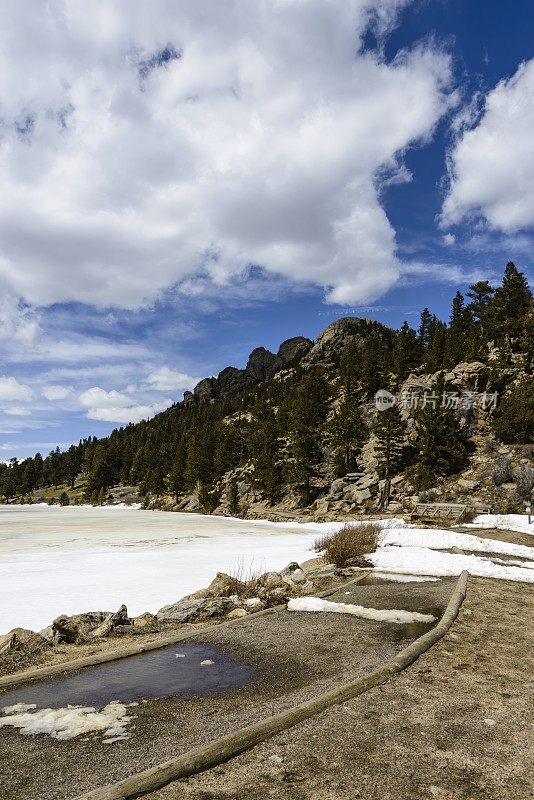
(399, 577)
(504, 522)
(67, 723)
(379, 615)
(436, 539)
(424, 561)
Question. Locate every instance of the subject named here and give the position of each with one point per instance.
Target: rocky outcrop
(261, 364)
(332, 341)
(80, 628)
(190, 610)
(21, 639)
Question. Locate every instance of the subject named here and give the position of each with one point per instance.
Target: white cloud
(11, 389)
(113, 406)
(266, 142)
(17, 411)
(491, 165)
(169, 380)
(449, 239)
(100, 397)
(125, 414)
(56, 392)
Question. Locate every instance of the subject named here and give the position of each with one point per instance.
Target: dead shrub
(244, 580)
(349, 545)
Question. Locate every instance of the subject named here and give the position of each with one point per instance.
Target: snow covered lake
(67, 560)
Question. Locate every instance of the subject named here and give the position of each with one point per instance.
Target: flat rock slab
(296, 656)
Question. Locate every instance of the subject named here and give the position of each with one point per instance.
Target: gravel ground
(298, 655)
(456, 725)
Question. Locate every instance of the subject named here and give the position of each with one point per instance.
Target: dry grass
(244, 580)
(350, 544)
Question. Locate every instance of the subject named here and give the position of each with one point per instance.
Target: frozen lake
(67, 560)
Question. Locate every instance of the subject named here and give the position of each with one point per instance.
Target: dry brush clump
(244, 580)
(350, 544)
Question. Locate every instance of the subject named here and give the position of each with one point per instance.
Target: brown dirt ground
(456, 725)
(297, 655)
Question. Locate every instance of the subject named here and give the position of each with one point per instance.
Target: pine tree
(233, 498)
(511, 303)
(64, 499)
(435, 353)
(407, 352)
(442, 443)
(390, 431)
(208, 498)
(457, 337)
(424, 329)
(264, 443)
(307, 413)
(513, 421)
(347, 432)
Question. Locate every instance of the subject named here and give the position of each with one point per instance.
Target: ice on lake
(68, 560)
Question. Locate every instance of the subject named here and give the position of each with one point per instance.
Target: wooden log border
(17, 679)
(209, 755)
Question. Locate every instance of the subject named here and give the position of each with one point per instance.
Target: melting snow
(398, 577)
(380, 615)
(505, 522)
(424, 561)
(66, 723)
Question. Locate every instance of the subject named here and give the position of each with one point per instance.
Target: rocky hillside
(365, 419)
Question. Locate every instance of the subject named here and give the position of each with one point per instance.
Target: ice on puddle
(379, 615)
(206, 663)
(67, 723)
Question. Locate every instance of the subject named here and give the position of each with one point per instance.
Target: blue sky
(181, 186)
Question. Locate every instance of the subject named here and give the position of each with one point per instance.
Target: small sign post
(529, 512)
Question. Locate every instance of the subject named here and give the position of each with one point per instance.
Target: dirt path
(457, 725)
(296, 655)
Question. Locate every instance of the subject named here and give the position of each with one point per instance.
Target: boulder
(21, 639)
(222, 585)
(337, 486)
(237, 613)
(321, 507)
(270, 580)
(187, 610)
(146, 620)
(81, 628)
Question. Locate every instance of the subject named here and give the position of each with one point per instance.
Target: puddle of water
(155, 674)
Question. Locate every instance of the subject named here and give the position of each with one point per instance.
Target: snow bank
(445, 540)
(424, 561)
(505, 522)
(66, 723)
(391, 615)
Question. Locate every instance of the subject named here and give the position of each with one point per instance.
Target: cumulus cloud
(165, 379)
(100, 397)
(145, 145)
(56, 392)
(11, 389)
(113, 406)
(491, 165)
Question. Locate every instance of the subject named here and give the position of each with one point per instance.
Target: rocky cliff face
(261, 364)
